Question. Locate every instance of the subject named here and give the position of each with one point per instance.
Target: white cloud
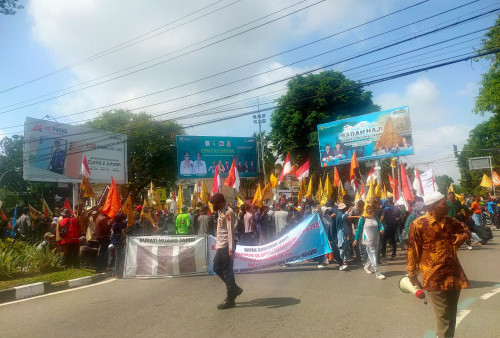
(434, 132)
(470, 89)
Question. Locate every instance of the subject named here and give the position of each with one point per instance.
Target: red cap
(420, 294)
(139, 208)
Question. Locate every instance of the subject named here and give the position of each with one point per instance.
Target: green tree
(488, 99)
(8, 7)
(309, 101)
(151, 147)
(484, 140)
(443, 182)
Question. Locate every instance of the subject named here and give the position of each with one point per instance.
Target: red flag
(67, 206)
(354, 165)
(85, 167)
(293, 171)
(405, 186)
(371, 175)
(4, 218)
(233, 178)
(113, 202)
(362, 191)
(394, 185)
(417, 184)
(287, 167)
(336, 177)
(216, 183)
(303, 171)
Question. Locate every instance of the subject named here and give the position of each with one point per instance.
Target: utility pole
(261, 118)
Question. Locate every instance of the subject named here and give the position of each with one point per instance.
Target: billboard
(371, 136)
(53, 152)
(197, 156)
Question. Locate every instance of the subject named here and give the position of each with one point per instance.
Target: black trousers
(389, 236)
(71, 252)
(223, 267)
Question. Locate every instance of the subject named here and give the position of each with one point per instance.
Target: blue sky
(49, 35)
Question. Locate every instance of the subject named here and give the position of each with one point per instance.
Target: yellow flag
(34, 214)
(257, 199)
(240, 202)
(146, 212)
(486, 182)
(309, 189)
(371, 191)
(340, 193)
(204, 195)
(45, 208)
(154, 199)
(88, 190)
(384, 193)
(128, 210)
(273, 180)
(267, 192)
(194, 201)
(356, 198)
(378, 190)
(319, 193)
(180, 200)
(327, 192)
(302, 190)
(451, 188)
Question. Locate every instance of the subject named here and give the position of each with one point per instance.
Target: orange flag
(4, 218)
(354, 165)
(113, 202)
(336, 177)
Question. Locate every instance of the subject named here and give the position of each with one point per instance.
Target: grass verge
(46, 277)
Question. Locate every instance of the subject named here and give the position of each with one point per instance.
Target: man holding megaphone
(432, 249)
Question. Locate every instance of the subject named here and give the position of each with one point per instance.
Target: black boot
(228, 304)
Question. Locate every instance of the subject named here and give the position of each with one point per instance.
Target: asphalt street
(297, 301)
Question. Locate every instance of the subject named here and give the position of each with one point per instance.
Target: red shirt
(73, 232)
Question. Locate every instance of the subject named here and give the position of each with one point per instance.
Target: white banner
(53, 152)
(162, 256)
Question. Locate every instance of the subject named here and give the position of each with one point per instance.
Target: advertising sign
(371, 136)
(198, 156)
(53, 152)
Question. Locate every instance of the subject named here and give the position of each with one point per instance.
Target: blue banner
(307, 240)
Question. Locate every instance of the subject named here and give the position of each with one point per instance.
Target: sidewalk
(40, 288)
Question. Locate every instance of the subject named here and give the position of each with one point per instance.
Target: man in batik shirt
(432, 248)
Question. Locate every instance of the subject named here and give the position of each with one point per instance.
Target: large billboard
(371, 136)
(198, 156)
(53, 152)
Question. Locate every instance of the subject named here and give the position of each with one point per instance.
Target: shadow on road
(271, 303)
(476, 284)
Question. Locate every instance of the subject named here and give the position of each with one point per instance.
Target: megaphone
(406, 286)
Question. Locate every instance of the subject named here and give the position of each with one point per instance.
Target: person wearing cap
(432, 249)
(342, 230)
(183, 222)
(223, 260)
(69, 230)
(48, 243)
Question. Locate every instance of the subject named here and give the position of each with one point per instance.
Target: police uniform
(223, 264)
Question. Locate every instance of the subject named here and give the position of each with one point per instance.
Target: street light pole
(261, 118)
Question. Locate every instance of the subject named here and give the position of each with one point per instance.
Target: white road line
(461, 315)
(489, 294)
(59, 292)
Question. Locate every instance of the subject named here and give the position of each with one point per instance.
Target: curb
(40, 288)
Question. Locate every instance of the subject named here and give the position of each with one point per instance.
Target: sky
(200, 61)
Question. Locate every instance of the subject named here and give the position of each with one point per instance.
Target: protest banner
(163, 256)
(307, 240)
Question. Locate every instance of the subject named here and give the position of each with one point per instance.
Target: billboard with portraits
(53, 152)
(372, 136)
(198, 156)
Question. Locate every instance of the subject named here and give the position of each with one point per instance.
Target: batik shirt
(431, 250)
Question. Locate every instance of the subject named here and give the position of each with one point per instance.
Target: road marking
(59, 292)
(460, 316)
(490, 294)
(466, 302)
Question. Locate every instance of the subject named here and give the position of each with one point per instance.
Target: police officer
(223, 261)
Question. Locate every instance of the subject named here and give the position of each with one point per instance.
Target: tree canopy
(443, 182)
(488, 99)
(151, 148)
(9, 7)
(484, 140)
(309, 101)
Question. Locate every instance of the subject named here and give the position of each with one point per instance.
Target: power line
(262, 73)
(361, 84)
(114, 48)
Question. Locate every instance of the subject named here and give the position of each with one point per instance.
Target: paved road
(299, 301)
